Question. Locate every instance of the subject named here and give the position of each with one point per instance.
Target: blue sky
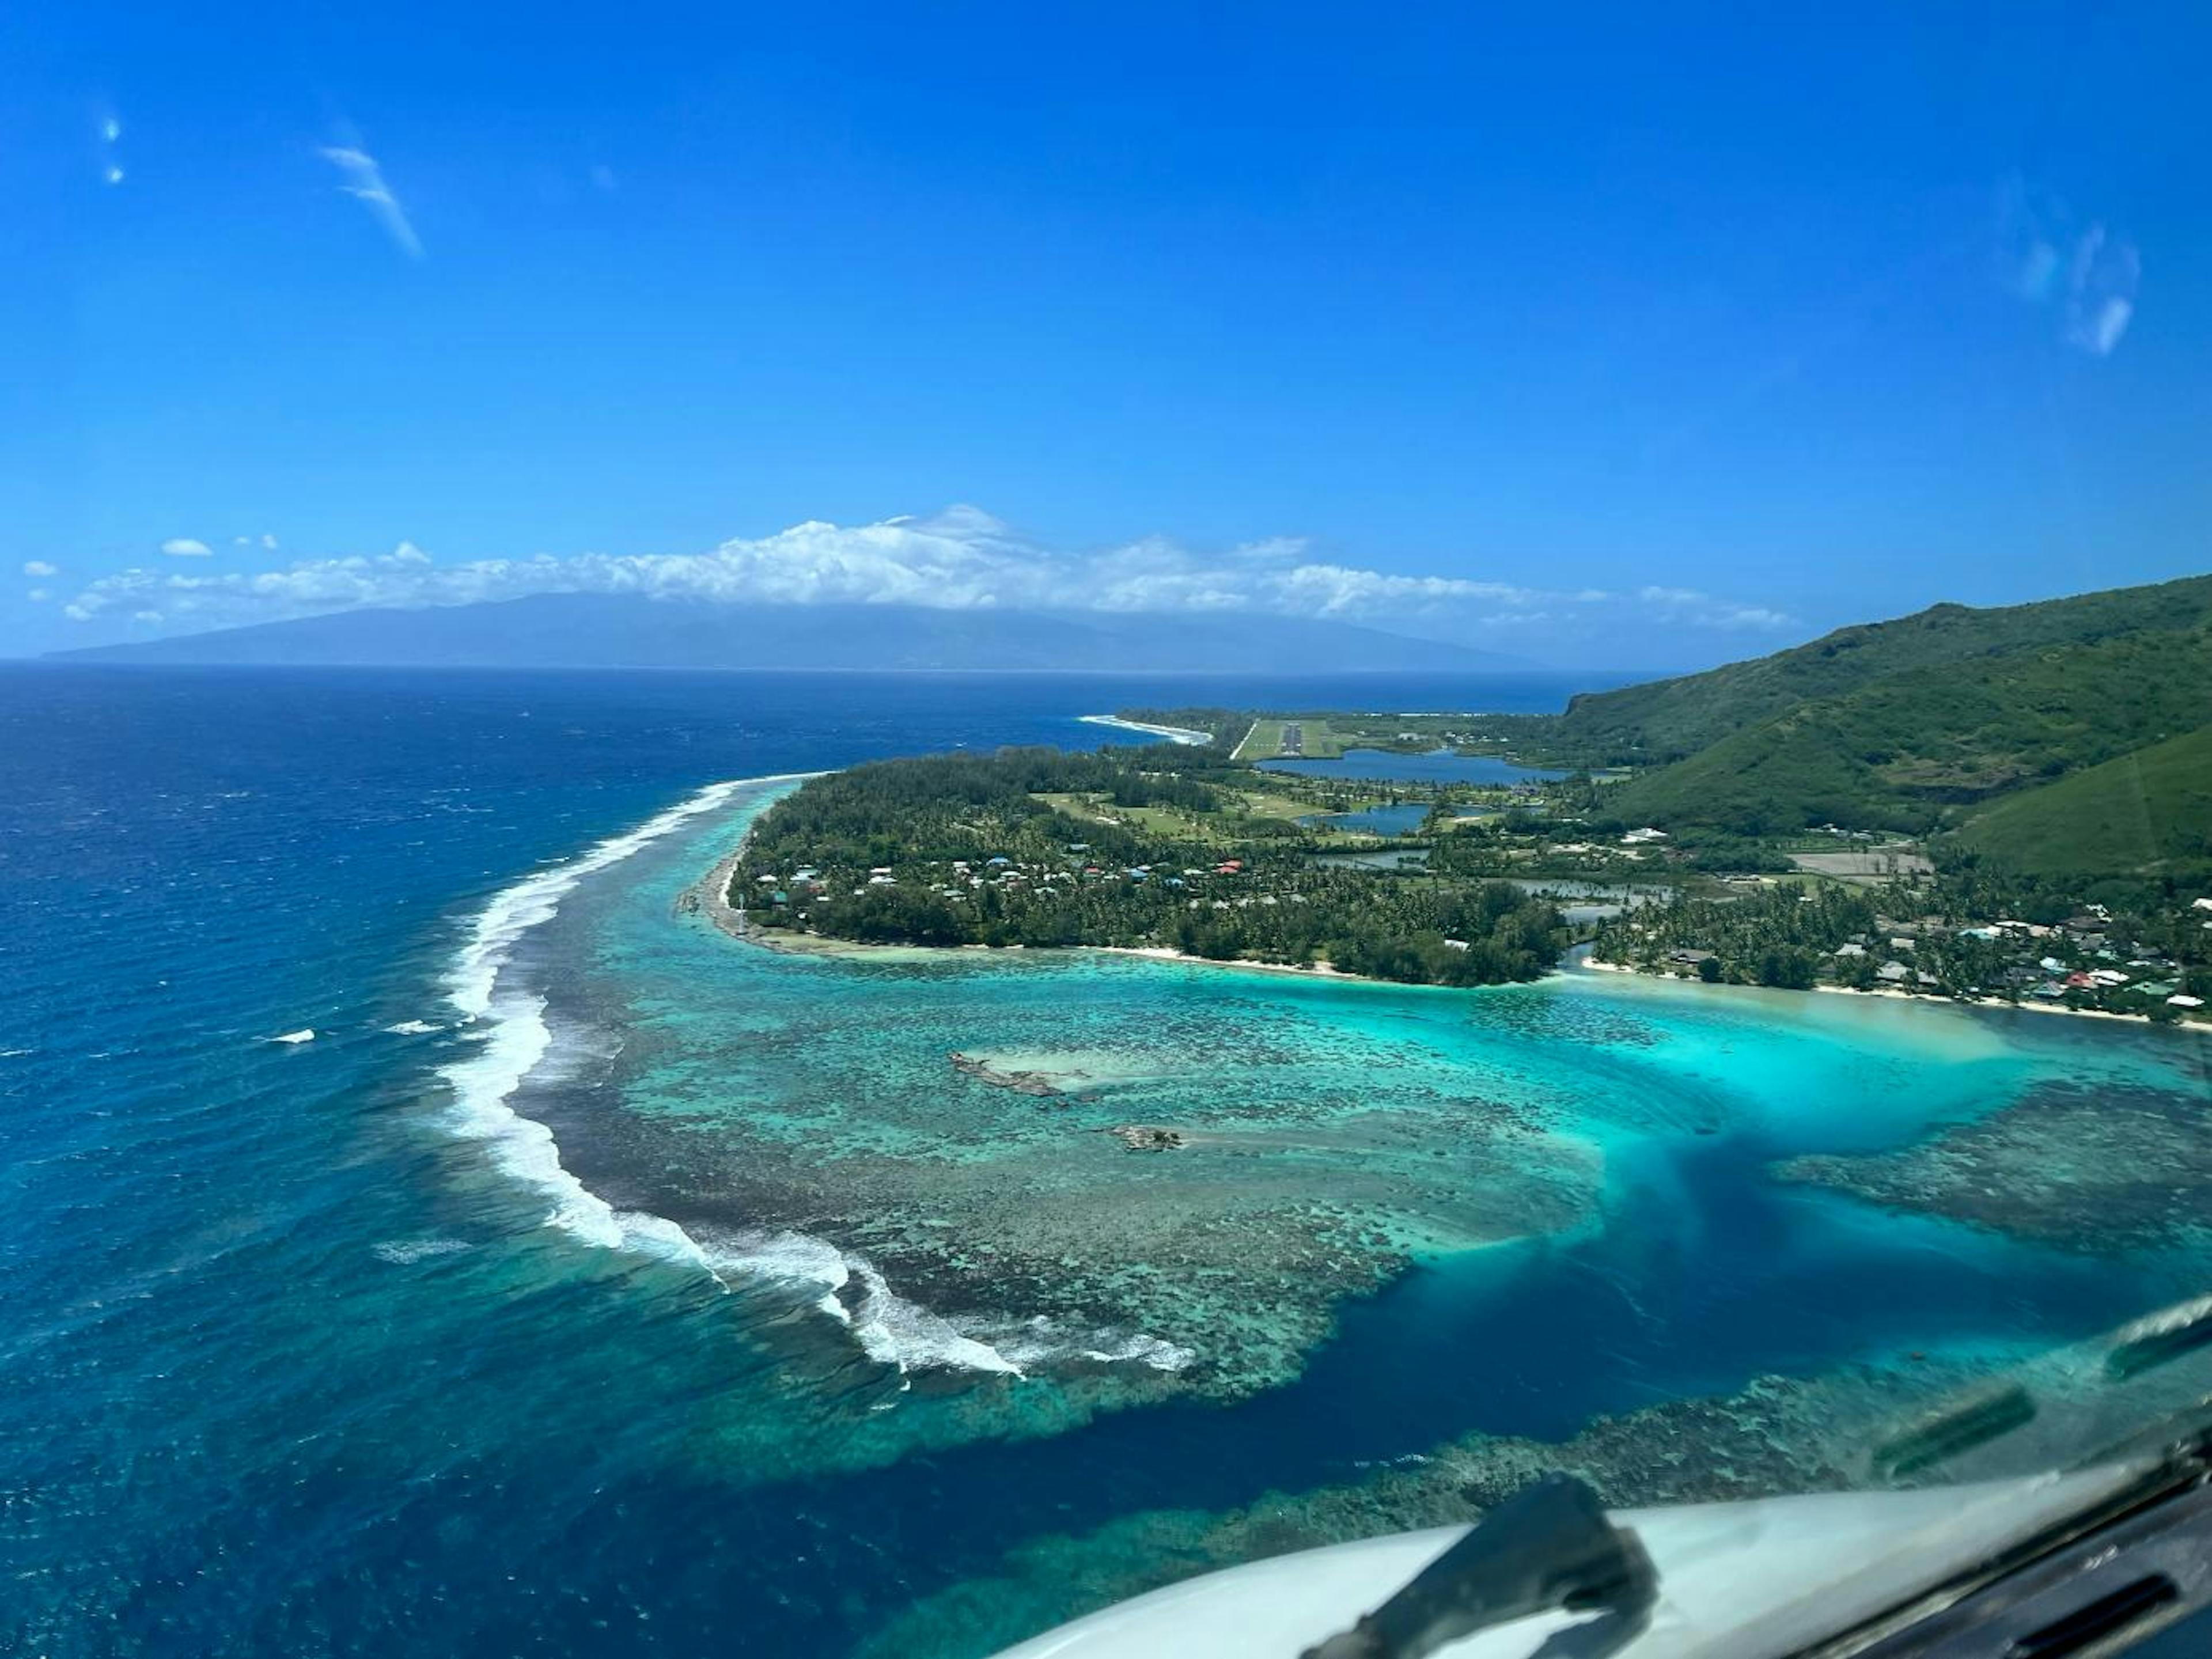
(1639, 335)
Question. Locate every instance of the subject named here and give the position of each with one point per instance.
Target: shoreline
(1176, 734)
(712, 890)
(821, 944)
(826, 945)
(1311, 970)
(1892, 995)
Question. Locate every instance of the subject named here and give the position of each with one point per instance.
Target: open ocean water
(506, 1316)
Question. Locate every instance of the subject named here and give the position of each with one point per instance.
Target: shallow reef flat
(2094, 1169)
(1310, 1150)
(1202, 1173)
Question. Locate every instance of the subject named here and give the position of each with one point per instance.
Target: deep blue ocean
(286, 1374)
(228, 1425)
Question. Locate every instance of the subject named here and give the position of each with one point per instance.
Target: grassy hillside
(2146, 811)
(1668, 719)
(1908, 750)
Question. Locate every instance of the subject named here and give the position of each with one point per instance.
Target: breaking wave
(512, 1041)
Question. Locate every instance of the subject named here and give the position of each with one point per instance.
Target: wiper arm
(1547, 1547)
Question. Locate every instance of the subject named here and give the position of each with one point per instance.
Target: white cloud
(149, 616)
(40, 568)
(364, 182)
(959, 559)
(183, 547)
(2099, 332)
(40, 595)
(1754, 616)
(2089, 274)
(1688, 606)
(110, 129)
(2101, 291)
(1331, 589)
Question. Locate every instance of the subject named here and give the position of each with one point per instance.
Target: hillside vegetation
(1668, 720)
(1916, 749)
(2146, 811)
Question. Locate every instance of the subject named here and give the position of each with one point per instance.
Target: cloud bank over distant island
(959, 559)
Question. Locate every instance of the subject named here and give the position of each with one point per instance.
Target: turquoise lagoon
(684, 1299)
(1401, 1214)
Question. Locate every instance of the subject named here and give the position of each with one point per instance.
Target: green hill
(1910, 749)
(2146, 811)
(1670, 719)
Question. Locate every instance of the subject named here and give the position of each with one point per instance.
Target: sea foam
(853, 1291)
(511, 1041)
(402, 1252)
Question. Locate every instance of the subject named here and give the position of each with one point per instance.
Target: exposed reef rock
(1022, 1083)
(1147, 1138)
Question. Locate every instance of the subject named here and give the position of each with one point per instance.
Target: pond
(1599, 901)
(1393, 818)
(1437, 766)
(1378, 858)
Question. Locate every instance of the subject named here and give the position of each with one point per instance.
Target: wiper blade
(1973, 1420)
(1547, 1547)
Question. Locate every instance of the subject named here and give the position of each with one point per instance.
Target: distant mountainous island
(2070, 733)
(599, 630)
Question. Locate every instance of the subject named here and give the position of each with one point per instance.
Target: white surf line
(1182, 734)
(514, 1039)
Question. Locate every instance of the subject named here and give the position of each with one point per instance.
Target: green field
(1321, 740)
(2148, 811)
(1228, 828)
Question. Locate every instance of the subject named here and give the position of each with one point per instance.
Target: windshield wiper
(1547, 1547)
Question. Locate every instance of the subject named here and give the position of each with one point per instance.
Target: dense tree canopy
(968, 849)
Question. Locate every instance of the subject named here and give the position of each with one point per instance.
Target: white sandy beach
(1895, 995)
(1182, 734)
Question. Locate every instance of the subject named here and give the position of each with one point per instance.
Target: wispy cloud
(268, 543)
(2084, 271)
(108, 130)
(364, 182)
(183, 547)
(1688, 606)
(40, 568)
(958, 559)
